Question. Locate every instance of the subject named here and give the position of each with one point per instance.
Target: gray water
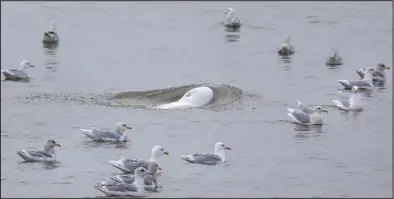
(114, 47)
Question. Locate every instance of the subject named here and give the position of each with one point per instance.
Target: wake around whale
(206, 96)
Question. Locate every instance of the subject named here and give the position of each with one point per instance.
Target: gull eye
(222, 144)
(161, 149)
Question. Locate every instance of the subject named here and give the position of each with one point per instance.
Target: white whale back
(195, 97)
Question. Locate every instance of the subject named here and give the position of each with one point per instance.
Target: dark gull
(51, 36)
(286, 48)
(231, 20)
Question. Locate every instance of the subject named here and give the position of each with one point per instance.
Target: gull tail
(338, 104)
(188, 158)
(299, 103)
(87, 132)
(119, 165)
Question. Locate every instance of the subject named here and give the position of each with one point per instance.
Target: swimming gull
(286, 48)
(218, 157)
(119, 135)
(351, 103)
(378, 75)
(150, 180)
(231, 20)
(137, 188)
(17, 74)
(51, 36)
(304, 108)
(304, 118)
(127, 165)
(365, 83)
(48, 155)
(334, 59)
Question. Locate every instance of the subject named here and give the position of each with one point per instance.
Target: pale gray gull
(51, 36)
(231, 20)
(218, 157)
(334, 58)
(137, 188)
(286, 48)
(119, 135)
(305, 118)
(150, 180)
(350, 103)
(365, 83)
(378, 75)
(127, 165)
(18, 74)
(48, 155)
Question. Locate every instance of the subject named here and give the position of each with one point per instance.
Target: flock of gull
(139, 176)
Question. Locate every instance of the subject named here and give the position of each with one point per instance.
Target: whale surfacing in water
(196, 97)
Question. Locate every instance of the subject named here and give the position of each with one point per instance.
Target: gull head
(122, 127)
(25, 64)
(141, 171)
(153, 167)
(319, 109)
(50, 144)
(230, 12)
(369, 70)
(158, 151)
(381, 67)
(220, 146)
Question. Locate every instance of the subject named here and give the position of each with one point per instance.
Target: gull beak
(56, 144)
(227, 148)
(159, 168)
(31, 65)
(165, 153)
(387, 67)
(128, 127)
(226, 12)
(324, 110)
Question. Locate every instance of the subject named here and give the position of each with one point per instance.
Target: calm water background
(129, 46)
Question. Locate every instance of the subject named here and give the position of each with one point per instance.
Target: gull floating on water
(304, 118)
(231, 20)
(365, 83)
(218, 157)
(350, 103)
(129, 165)
(17, 74)
(48, 155)
(137, 188)
(119, 135)
(286, 48)
(51, 36)
(150, 180)
(378, 75)
(334, 59)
